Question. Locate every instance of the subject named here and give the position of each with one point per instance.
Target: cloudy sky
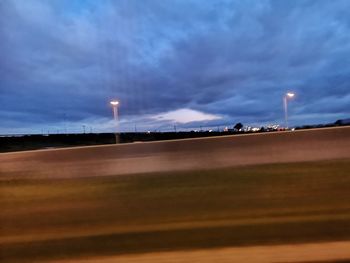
(188, 63)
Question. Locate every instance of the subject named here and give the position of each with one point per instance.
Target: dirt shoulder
(312, 252)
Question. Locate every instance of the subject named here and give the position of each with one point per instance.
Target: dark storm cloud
(65, 59)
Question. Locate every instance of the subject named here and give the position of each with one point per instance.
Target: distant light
(290, 94)
(114, 102)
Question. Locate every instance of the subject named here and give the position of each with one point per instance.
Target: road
(178, 155)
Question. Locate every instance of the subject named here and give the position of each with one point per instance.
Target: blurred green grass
(262, 204)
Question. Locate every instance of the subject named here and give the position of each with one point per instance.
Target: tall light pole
(115, 104)
(288, 95)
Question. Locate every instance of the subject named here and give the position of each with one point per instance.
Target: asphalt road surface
(179, 155)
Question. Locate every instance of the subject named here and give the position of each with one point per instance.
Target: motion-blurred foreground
(280, 197)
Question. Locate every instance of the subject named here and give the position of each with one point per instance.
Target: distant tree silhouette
(238, 126)
(338, 122)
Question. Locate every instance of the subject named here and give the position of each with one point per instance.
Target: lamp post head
(290, 95)
(114, 103)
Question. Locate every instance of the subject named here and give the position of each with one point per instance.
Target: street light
(115, 104)
(288, 95)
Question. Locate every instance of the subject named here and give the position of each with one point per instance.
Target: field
(285, 203)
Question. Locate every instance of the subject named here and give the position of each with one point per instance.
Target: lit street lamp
(115, 104)
(287, 96)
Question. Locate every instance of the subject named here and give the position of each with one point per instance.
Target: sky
(183, 63)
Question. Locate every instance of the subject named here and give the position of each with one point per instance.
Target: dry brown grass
(253, 205)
